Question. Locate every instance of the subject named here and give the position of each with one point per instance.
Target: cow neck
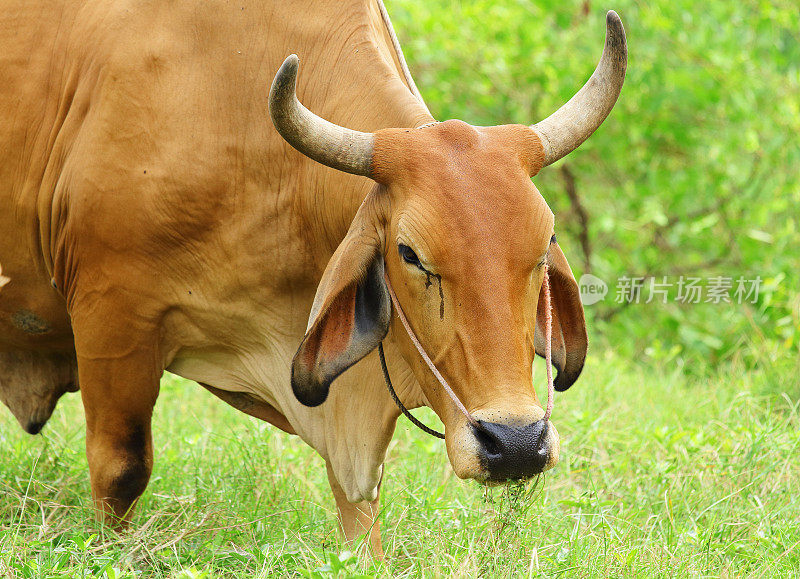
(471, 419)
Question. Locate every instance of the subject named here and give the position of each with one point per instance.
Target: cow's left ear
(569, 325)
(351, 311)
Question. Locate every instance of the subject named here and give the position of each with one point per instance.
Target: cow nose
(34, 427)
(513, 453)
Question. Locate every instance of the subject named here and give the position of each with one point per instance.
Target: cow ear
(351, 311)
(569, 325)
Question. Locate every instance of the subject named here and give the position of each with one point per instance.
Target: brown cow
(154, 219)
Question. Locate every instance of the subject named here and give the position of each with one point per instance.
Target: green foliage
(695, 173)
(658, 477)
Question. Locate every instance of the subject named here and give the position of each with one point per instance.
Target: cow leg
(119, 369)
(118, 398)
(356, 519)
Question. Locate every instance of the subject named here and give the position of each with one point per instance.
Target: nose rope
(396, 399)
(548, 344)
(427, 359)
(443, 382)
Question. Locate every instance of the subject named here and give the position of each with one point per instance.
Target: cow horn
(344, 149)
(568, 127)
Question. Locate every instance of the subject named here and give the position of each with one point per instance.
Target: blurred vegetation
(695, 173)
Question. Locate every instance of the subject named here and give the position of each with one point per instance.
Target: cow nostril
(487, 441)
(34, 427)
(512, 453)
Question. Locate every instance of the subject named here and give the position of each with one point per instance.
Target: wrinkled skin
(157, 221)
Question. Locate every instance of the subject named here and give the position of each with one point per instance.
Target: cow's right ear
(351, 311)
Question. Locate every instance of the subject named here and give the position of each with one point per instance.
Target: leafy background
(695, 173)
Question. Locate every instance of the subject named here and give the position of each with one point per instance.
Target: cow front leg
(357, 519)
(118, 399)
(119, 379)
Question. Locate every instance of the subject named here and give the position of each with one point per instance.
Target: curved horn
(344, 149)
(568, 127)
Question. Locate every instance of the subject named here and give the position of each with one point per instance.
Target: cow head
(462, 234)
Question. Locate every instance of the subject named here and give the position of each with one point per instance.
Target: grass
(661, 475)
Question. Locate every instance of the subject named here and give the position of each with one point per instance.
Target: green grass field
(660, 475)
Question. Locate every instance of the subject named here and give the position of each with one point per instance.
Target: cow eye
(408, 255)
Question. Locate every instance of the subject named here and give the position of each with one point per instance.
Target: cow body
(153, 219)
(151, 213)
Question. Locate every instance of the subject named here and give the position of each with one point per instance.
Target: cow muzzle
(504, 447)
